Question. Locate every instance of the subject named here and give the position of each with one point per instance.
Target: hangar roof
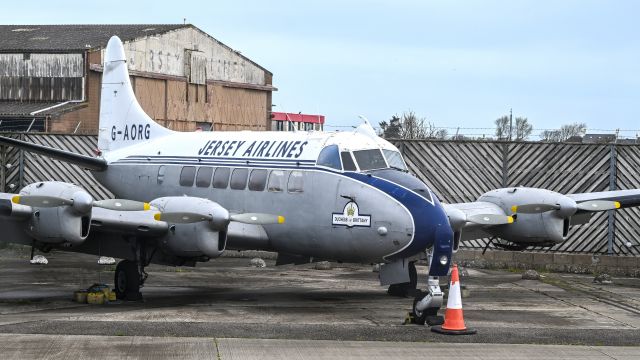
(70, 38)
(36, 108)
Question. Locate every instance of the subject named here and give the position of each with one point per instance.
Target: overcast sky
(457, 63)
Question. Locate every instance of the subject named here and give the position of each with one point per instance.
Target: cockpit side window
(330, 157)
(394, 159)
(370, 159)
(347, 161)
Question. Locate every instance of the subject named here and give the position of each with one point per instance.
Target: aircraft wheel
(408, 288)
(419, 317)
(127, 281)
(428, 315)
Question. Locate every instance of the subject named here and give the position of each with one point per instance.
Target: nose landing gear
(426, 304)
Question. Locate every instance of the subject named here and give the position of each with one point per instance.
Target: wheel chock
(408, 319)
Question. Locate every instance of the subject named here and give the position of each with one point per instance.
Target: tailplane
(123, 122)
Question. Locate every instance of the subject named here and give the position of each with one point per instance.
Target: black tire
(127, 281)
(408, 288)
(427, 315)
(419, 317)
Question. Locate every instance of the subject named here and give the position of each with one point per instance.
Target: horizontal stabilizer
(84, 161)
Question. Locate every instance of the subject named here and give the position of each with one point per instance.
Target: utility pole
(510, 123)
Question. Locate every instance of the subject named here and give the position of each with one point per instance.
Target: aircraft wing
(472, 218)
(84, 161)
(626, 198)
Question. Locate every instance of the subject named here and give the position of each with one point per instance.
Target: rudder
(123, 122)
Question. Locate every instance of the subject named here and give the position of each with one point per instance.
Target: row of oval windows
(239, 178)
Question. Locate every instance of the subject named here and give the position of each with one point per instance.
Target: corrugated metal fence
(20, 168)
(458, 171)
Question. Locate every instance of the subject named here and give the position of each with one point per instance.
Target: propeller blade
(257, 218)
(598, 205)
(122, 205)
(490, 219)
(181, 217)
(533, 208)
(40, 201)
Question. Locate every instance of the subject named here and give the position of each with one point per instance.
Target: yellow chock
(408, 319)
(80, 296)
(112, 295)
(95, 298)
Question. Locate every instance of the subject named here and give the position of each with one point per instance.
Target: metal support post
(611, 230)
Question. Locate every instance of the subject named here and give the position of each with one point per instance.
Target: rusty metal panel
(42, 65)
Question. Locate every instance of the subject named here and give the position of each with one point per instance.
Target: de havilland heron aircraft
(342, 196)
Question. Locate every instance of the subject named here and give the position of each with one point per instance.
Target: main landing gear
(130, 275)
(129, 278)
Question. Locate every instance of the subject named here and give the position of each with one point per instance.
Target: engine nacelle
(547, 228)
(60, 224)
(206, 238)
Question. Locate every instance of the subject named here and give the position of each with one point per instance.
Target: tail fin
(122, 121)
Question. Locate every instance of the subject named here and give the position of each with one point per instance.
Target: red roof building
(281, 121)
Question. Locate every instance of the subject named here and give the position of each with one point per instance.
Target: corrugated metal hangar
(184, 78)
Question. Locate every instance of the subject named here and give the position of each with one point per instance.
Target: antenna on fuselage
(366, 129)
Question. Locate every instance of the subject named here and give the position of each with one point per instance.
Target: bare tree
(574, 129)
(550, 136)
(565, 132)
(502, 128)
(523, 128)
(441, 134)
(410, 126)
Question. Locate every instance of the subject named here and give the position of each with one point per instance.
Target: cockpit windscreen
(370, 159)
(394, 159)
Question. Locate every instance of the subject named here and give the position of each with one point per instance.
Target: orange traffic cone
(453, 319)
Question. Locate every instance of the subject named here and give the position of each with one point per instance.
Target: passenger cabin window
(296, 182)
(221, 178)
(347, 161)
(161, 171)
(370, 159)
(187, 175)
(276, 181)
(330, 157)
(239, 179)
(394, 159)
(257, 180)
(203, 179)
